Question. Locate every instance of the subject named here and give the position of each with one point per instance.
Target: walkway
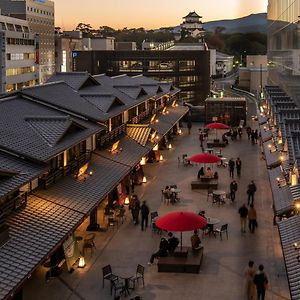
(221, 275)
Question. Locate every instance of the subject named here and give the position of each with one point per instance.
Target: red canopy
(217, 126)
(204, 158)
(179, 221)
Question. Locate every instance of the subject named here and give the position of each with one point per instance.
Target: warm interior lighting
(161, 158)
(155, 148)
(152, 118)
(83, 169)
(144, 179)
(297, 205)
(81, 263)
(170, 146)
(157, 137)
(281, 157)
(179, 131)
(156, 121)
(126, 202)
(269, 146)
(91, 173)
(143, 161)
(164, 110)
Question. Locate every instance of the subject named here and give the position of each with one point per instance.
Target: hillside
(251, 23)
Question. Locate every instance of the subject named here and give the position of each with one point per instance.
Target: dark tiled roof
(63, 96)
(295, 190)
(266, 132)
(272, 158)
(282, 196)
(83, 195)
(43, 136)
(289, 230)
(130, 152)
(75, 80)
(139, 133)
(34, 232)
(23, 172)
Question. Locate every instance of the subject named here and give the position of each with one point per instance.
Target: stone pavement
(221, 275)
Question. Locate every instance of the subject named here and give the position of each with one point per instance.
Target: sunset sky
(149, 13)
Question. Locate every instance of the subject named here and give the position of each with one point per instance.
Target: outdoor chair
(108, 275)
(139, 275)
(112, 223)
(117, 287)
(220, 231)
(89, 243)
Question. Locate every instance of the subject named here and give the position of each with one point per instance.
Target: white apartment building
(18, 55)
(40, 16)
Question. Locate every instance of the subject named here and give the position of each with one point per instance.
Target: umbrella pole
(181, 241)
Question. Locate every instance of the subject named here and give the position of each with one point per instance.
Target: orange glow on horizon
(148, 14)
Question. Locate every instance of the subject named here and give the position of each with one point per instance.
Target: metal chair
(89, 243)
(139, 275)
(108, 275)
(117, 286)
(220, 231)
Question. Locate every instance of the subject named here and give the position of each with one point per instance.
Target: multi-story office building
(284, 46)
(188, 69)
(18, 54)
(40, 16)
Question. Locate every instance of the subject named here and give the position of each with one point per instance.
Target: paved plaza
(221, 275)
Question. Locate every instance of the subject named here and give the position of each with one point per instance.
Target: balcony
(111, 136)
(141, 117)
(72, 167)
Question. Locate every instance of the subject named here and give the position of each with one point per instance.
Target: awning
(266, 133)
(86, 192)
(167, 120)
(34, 232)
(295, 190)
(272, 158)
(262, 119)
(128, 153)
(282, 196)
(289, 231)
(138, 132)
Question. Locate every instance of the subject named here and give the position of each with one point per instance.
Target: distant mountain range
(251, 23)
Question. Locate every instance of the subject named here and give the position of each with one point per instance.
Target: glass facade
(284, 46)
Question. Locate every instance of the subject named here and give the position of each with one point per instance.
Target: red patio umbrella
(217, 126)
(204, 158)
(180, 221)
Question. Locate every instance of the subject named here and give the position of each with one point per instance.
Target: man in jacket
(233, 189)
(251, 191)
(144, 215)
(231, 167)
(243, 211)
(260, 280)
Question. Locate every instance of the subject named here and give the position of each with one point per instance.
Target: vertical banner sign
(71, 251)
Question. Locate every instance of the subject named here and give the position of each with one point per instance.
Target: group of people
(136, 209)
(237, 164)
(253, 135)
(250, 213)
(208, 173)
(169, 193)
(255, 280)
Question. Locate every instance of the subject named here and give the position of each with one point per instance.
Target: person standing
(248, 130)
(261, 281)
(238, 165)
(233, 189)
(201, 138)
(231, 167)
(243, 211)
(252, 218)
(251, 191)
(189, 126)
(249, 275)
(136, 211)
(256, 136)
(144, 215)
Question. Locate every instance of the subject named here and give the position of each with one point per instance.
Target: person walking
(144, 215)
(238, 165)
(256, 136)
(252, 137)
(261, 281)
(136, 211)
(243, 211)
(249, 275)
(233, 189)
(251, 191)
(248, 130)
(231, 167)
(252, 218)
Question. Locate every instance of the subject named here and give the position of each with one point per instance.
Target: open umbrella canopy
(217, 126)
(204, 158)
(180, 221)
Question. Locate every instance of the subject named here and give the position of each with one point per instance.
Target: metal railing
(111, 136)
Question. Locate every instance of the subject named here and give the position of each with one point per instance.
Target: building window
(20, 71)
(10, 27)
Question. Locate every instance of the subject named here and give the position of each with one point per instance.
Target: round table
(126, 289)
(218, 196)
(219, 193)
(211, 222)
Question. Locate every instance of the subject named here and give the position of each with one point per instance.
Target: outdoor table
(126, 289)
(218, 196)
(222, 162)
(209, 150)
(211, 222)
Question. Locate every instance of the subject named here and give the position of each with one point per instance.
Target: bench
(178, 264)
(201, 185)
(212, 144)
